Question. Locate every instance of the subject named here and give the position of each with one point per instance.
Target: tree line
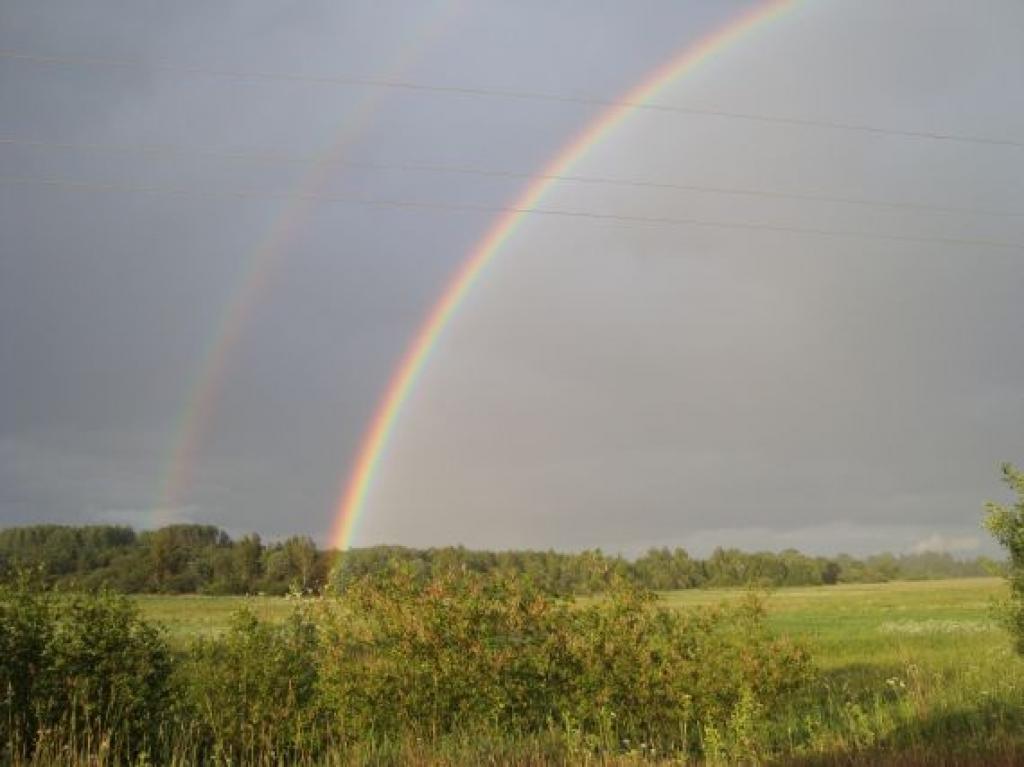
(205, 559)
(177, 559)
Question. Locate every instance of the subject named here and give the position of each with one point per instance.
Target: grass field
(829, 616)
(916, 669)
(884, 623)
(925, 622)
(189, 616)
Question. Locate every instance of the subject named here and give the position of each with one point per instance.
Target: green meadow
(189, 616)
(466, 669)
(843, 624)
(909, 672)
(906, 672)
(876, 625)
(881, 624)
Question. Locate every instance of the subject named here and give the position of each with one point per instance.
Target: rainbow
(372, 448)
(255, 280)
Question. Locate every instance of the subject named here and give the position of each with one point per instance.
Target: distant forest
(203, 559)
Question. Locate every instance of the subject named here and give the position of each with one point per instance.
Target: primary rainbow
(375, 440)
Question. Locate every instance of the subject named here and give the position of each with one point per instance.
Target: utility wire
(459, 90)
(270, 157)
(87, 186)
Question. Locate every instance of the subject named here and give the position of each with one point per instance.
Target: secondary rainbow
(255, 278)
(372, 448)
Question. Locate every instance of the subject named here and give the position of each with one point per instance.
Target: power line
(265, 156)
(87, 186)
(459, 90)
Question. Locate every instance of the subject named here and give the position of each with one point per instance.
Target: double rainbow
(353, 495)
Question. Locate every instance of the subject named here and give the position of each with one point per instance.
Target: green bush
(458, 652)
(1006, 523)
(25, 627)
(465, 652)
(254, 691)
(396, 667)
(86, 666)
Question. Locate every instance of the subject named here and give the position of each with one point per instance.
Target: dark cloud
(608, 384)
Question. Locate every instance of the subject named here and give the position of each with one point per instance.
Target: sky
(837, 368)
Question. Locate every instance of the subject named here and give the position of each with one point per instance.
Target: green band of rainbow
(353, 496)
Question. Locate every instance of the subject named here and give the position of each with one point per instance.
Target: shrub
(461, 651)
(106, 669)
(466, 652)
(399, 665)
(87, 666)
(650, 674)
(25, 626)
(1006, 523)
(253, 691)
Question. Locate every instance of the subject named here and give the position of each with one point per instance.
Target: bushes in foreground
(394, 662)
(254, 692)
(81, 666)
(468, 669)
(465, 652)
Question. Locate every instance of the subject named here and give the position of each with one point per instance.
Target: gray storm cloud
(623, 385)
(607, 384)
